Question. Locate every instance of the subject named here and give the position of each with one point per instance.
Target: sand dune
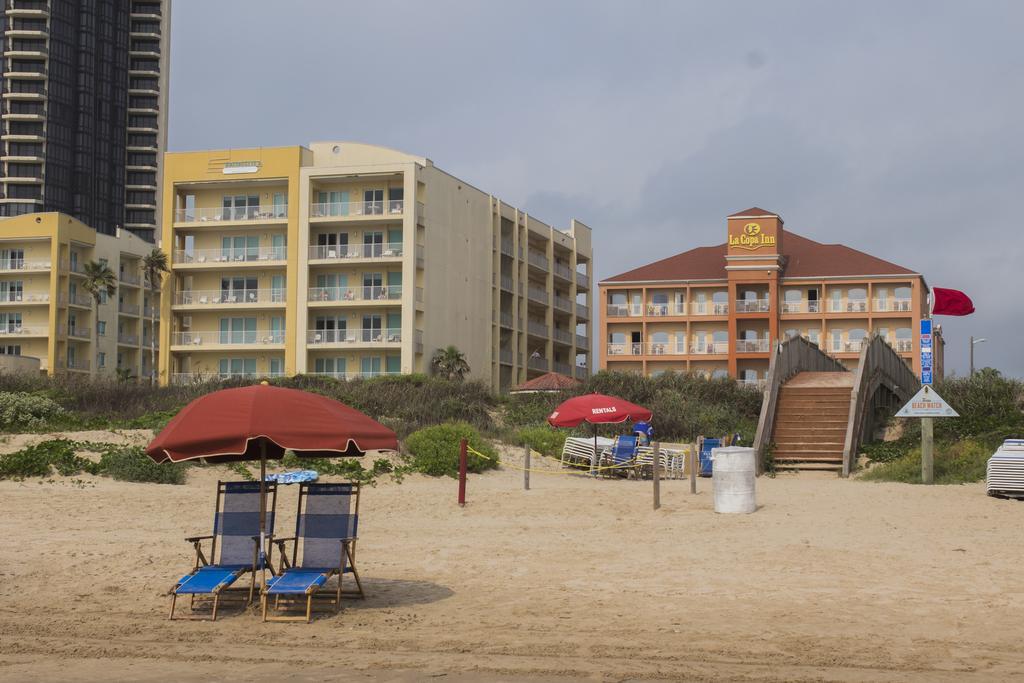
(574, 580)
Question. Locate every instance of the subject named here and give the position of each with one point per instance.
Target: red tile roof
(551, 381)
(804, 258)
(753, 211)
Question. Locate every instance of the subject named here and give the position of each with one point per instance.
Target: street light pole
(973, 342)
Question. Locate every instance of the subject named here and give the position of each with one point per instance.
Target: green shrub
(887, 451)
(546, 440)
(435, 450)
(26, 411)
(525, 410)
(955, 463)
(242, 470)
(348, 468)
(132, 464)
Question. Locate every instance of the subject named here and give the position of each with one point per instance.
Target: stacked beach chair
(1005, 471)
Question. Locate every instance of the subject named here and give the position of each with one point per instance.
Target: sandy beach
(576, 579)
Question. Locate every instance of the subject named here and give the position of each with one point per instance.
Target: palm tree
(154, 266)
(450, 363)
(99, 281)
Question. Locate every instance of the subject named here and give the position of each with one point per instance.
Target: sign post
(927, 405)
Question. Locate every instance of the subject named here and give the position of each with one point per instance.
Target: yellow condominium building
(353, 260)
(46, 313)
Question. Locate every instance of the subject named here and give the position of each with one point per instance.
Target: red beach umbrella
(260, 422)
(596, 409)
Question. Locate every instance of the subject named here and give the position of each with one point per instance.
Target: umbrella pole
(594, 460)
(263, 516)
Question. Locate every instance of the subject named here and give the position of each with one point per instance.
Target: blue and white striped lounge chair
(234, 545)
(326, 527)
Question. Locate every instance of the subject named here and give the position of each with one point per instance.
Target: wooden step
(808, 467)
(809, 434)
(785, 390)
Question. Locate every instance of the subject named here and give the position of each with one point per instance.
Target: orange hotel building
(720, 310)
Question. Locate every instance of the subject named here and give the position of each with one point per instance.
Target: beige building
(353, 260)
(45, 312)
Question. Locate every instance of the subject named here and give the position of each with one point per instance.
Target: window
(276, 366)
(10, 349)
(11, 291)
(101, 359)
(373, 286)
(393, 364)
(237, 367)
(101, 328)
(241, 207)
(238, 330)
(373, 203)
(369, 366)
(329, 366)
(373, 244)
(371, 328)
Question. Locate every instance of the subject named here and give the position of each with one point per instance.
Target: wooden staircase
(811, 420)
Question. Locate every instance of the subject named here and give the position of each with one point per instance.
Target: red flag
(951, 302)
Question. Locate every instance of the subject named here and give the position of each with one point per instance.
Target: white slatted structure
(1005, 472)
(580, 451)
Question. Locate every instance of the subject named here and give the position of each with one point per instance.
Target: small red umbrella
(596, 409)
(260, 422)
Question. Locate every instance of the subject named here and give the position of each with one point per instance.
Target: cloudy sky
(893, 127)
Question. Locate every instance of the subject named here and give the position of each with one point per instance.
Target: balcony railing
(563, 368)
(78, 300)
(582, 311)
(903, 345)
(582, 280)
(80, 332)
(709, 308)
(801, 306)
(892, 305)
(674, 348)
(24, 331)
(626, 349)
(581, 372)
(16, 264)
(563, 336)
(755, 383)
(151, 312)
(537, 329)
(506, 247)
(216, 297)
(329, 252)
(563, 304)
(840, 346)
(231, 255)
(128, 309)
(203, 377)
(391, 207)
(709, 347)
(357, 374)
(582, 341)
(76, 364)
(752, 345)
(129, 339)
(563, 271)
(538, 363)
(847, 306)
(377, 293)
(535, 258)
(537, 294)
(505, 356)
(130, 278)
(236, 213)
(752, 306)
(228, 338)
(506, 320)
(658, 310)
(26, 298)
(388, 335)
(506, 283)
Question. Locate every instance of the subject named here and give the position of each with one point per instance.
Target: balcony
(537, 259)
(506, 320)
(537, 294)
(78, 364)
(801, 307)
(129, 278)
(847, 306)
(18, 265)
(343, 210)
(128, 309)
(537, 329)
(235, 297)
(151, 312)
(624, 310)
(230, 256)
(752, 306)
(563, 271)
(840, 346)
(709, 348)
(892, 305)
(364, 374)
(506, 283)
(390, 335)
(676, 348)
(24, 331)
(753, 345)
(582, 311)
(582, 342)
(388, 250)
(343, 294)
(128, 339)
(563, 368)
(232, 214)
(506, 247)
(217, 338)
(903, 345)
(708, 308)
(659, 310)
(79, 300)
(626, 349)
(185, 378)
(505, 356)
(753, 383)
(538, 363)
(563, 304)
(80, 332)
(25, 299)
(563, 336)
(581, 372)
(582, 280)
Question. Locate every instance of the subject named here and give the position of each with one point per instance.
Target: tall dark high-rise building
(84, 111)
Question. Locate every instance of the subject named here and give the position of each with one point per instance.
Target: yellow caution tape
(583, 468)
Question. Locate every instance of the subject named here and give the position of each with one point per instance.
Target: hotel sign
(233, 167)
(927, 359)
(751, 238)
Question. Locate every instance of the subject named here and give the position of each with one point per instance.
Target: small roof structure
(549, 381)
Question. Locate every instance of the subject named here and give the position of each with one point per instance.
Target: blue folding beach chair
(705, 455)
(234, 546)
(326, 527)
(621, 454)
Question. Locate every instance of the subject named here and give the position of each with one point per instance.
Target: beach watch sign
(927, 403)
